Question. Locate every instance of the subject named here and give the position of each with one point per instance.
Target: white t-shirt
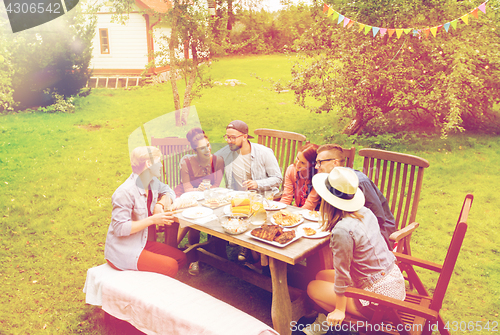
(241, 170)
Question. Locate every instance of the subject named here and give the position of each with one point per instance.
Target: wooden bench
(157, 304)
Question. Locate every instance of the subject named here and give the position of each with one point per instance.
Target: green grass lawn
(58, 172)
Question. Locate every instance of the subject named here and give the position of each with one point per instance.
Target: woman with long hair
(298, 179)
(361, 256)
(194, 169)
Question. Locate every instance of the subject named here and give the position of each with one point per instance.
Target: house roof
(159, 6)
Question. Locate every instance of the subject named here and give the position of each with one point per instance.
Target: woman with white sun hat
(361, 257)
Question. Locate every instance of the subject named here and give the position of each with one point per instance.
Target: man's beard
(234, 147)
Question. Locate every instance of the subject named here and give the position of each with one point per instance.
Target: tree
(449, 82)
(190, 30)
(48, 59)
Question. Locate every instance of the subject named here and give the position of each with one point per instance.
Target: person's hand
(163, 219)
(335, 318)
(250, 184)
(158, 208)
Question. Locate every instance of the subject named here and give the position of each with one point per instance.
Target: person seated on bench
(298, 180)
(194, 169)
(137, 204)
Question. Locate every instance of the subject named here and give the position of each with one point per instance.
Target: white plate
(315, 226)
(198, 195)
(294, 225)
(197, 212)
(276, 244)
(276, 205)
(309, 217)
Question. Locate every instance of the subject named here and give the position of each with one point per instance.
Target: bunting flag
(346, 21)
(465, 18)
(416, 32)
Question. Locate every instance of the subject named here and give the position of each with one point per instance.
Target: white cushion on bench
(157, 304)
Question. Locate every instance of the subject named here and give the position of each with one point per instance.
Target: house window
(104, 38)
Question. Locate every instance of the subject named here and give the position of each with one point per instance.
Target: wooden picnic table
(282, 313)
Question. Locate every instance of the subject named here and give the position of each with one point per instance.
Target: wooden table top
(291, 254)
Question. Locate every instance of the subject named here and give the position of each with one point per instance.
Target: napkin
(206, 219)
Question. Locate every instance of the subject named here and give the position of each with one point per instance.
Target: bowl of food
(235, 225)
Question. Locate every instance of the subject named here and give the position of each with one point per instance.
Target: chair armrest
(407, 259)
(403, 306)
(402, 233)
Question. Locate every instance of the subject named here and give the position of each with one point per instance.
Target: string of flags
(417, 32)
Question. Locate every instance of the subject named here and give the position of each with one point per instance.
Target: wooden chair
(172, 150)
(349, 154)
(419, 312)
(399, 177)
(285, 145)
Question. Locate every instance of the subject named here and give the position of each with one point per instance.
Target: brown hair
(309, 152)
(335, 149)
(194, 135)
(331, 215)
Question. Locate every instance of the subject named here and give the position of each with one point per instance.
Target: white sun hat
(340, 189)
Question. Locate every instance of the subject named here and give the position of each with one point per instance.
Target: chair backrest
(285, 145)
(452, 254)
(172, 150)
(349, 154)
(399, 177)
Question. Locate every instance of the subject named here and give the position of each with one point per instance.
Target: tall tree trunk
(189, 86)
(356, 125)
(173, 71)
(230, 15)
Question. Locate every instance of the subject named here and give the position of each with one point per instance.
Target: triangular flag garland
(414, 31)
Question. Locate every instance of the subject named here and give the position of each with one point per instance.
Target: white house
(121, 52)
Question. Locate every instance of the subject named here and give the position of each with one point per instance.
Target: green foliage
(444, 84)
(61, 105)
(261, 32)
(54, 57)
(6, 70)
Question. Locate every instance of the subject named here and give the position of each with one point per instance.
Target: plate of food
(274, 234)
(286, 218)
(312, 230)
(311, 215)
(198, 195)
(273, 205)
(197, 212)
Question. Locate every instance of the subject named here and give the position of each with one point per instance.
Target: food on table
(286, 218)
(240, 206)
(272, 205)
(274, 233)
(285, 237)
(235, 226)
(309, 231)
(314, 214)
(180, 203)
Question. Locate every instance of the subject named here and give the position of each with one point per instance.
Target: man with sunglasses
(248, 166)
(330, 156)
